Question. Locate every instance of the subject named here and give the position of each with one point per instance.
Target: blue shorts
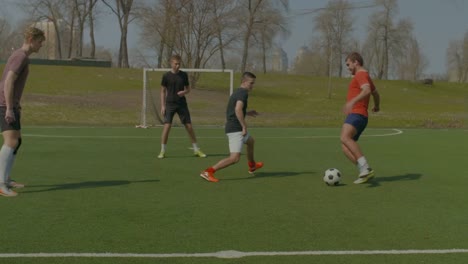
(359, 122)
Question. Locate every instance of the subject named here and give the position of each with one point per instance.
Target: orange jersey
(361, 78)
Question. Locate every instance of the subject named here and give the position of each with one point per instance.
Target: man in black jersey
(174, 87)
(236, 130)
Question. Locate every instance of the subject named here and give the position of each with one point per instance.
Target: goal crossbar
(144, 106)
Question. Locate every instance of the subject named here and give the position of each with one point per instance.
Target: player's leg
(10, 182)
(235, 148)
(184, 115)
(10, 141)
(253, 166)
(168, 117)
(352, 128)
(348, 154)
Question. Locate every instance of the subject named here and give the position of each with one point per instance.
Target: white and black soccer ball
(332, 177)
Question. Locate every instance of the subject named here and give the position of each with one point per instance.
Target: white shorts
(236, 140)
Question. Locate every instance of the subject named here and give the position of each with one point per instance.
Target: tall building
(279, 60)
(49, 48)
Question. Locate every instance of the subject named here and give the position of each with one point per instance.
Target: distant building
(49, 48)
(279, 60)
(302, 52)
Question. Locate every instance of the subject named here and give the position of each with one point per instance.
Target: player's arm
(365, 91)
(163, 99)
(240, 116)
(376, 97)
(186, 90)
(9, 85)
(252, 113)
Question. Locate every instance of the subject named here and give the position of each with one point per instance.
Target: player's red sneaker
(257, 166)
(209, 176)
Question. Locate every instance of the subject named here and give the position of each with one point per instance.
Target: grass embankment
(58, 95)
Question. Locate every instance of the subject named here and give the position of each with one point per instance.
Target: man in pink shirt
(12, 85)
(357, 103)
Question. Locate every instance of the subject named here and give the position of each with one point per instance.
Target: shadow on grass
(81, 185)
(259, 175)
(175, 156)
(376, 182)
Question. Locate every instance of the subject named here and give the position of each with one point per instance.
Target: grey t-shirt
(19, 64)
(232, 123)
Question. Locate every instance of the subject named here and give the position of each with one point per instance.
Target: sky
(435, 24)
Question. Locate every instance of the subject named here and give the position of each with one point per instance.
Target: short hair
(34, 33)
(246, 75)
(176, 57)
(355, 56)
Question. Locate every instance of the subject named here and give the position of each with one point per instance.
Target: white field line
(393, 133)
(234, 254)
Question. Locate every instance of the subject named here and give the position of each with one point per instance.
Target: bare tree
(255, 11)
(335, 25)
(226, 28)
(159, 23)
(82, 10)
(125, 15)
(53, 11)
(272, 21)
(91, 22)
(457, 59)
(386, 39)
(412, 62)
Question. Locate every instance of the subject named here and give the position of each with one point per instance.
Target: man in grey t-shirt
(12, 85)
(236, 130)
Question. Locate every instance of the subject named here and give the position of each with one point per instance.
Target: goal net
(206, 101)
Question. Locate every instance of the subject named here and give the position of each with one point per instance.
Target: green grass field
(94, 184)
(102, 190)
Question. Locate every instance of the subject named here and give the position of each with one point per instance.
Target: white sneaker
(365, 176)
(4, 191)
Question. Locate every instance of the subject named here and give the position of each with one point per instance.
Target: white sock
(195, 147)
(9, 166)
(362, 164)
(163, 147)
(6, 154)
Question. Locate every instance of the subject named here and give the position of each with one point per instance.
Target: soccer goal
(206, 101)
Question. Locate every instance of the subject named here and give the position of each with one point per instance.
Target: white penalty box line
(235, 254)
(393, 133)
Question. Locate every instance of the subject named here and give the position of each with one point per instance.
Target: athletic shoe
(258, 165)
(4, 191)
(162, 155)
(365, 176)
(209, 176)
(199, 153)
(14, 184)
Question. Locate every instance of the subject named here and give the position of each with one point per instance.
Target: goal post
(147, 96)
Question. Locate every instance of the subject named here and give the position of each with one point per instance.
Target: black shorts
(359, 122)
(16, 125)
(181, 109)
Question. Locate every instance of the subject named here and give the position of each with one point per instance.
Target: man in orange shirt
(357, 103)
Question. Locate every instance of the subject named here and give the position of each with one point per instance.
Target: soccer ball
(332, 177)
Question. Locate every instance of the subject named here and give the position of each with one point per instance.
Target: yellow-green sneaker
(364, 177)
(199, 153)
(162, 155)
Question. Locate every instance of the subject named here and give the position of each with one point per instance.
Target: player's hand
(10, 116)
(181, 93)
(244, 131)
(375, 109)
(347, 108)
(163, 111)
(252, 113)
